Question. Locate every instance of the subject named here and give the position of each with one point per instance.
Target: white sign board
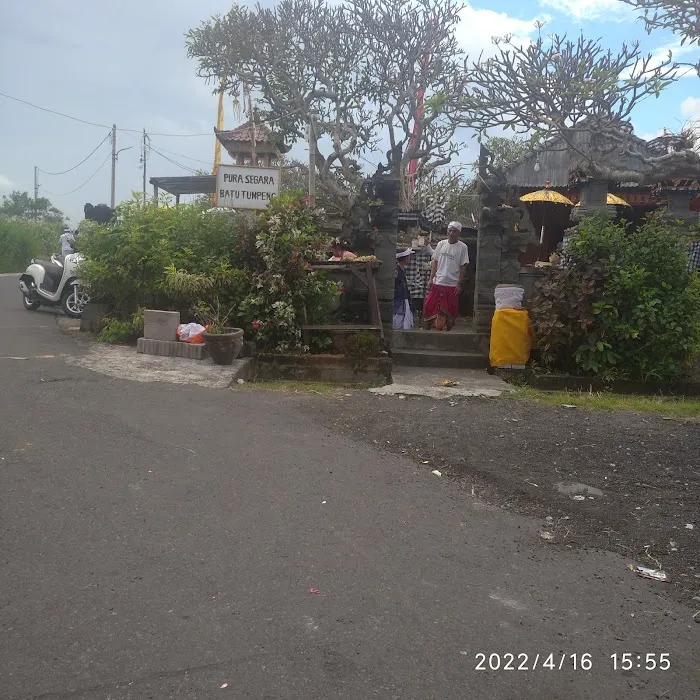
(241, 187)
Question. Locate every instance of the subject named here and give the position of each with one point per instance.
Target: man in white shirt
(67, 241)
(447, 274)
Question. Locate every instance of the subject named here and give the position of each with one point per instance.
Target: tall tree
(370, 72)
(21, 205)
(580, 97)
(506, 151)
(682, 17)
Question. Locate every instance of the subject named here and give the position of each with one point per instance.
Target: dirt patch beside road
(514, 452)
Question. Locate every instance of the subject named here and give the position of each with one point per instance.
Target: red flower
(256, 325)
(341, 290)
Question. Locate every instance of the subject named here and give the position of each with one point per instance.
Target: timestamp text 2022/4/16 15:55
(559, 661)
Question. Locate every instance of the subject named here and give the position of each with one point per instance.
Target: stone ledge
(172, 348)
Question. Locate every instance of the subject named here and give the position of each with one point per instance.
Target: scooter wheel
(29, 304)
(73, 303)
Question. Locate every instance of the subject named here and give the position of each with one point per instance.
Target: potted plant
(223, 342)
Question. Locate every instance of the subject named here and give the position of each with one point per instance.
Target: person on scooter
(67, 241)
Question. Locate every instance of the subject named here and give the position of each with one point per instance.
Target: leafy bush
(117, 332)
(21, 240)
(126, 261)
(360, 347)
(251, 269)
(284, 288)
(625, 305)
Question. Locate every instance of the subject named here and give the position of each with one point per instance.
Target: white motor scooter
(54, 283)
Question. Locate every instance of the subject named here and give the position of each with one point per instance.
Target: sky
(125, 63)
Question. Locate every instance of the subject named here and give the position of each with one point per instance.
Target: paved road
(160, 541)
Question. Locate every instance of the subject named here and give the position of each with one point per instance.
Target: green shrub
(360, 347)
(126, 261)
(118, 332)
(21, 240)
(624, 307)
(251, 269)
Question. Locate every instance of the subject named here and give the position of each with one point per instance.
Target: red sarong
(441, 300)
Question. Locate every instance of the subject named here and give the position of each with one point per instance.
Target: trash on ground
(223, 685)
(646, 572)
(241, 381)
(689, 526)
(437, 472)
(579, 498)
(323, 503)
(315, 591)
(569, 405)
(447, 382)
(191, 333)
(569, 488)
(547, 535)
(425, 461)
(401, 396)
(673, 545)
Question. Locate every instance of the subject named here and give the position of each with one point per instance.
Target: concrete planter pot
(224, 347)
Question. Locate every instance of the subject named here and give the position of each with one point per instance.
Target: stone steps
(442, 341)
(438, 358)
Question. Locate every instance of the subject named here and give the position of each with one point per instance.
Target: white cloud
(592, 9)
(690, 108)
(651, 135)
(6, 185)
(478, 27)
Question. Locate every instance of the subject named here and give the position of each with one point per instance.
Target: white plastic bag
(508, 297)
(186, 330)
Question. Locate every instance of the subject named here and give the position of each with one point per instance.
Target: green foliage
(360, 347)
(247, 270)
(284, 288)
(20, 205)
(624, 307)
(127, 261)
(20, 241)
(507, 150)
(117, 332)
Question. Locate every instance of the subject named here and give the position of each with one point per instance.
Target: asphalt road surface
(163, 541)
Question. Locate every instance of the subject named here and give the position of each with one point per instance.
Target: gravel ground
(513, 453)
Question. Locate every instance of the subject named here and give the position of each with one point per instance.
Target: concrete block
(171, 348)
(92, 315)
(160, 325)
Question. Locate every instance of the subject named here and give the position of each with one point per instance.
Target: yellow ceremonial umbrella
(613, 200)
(545, 195)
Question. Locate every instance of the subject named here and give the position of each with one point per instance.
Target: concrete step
(436, 358)
(443, 341)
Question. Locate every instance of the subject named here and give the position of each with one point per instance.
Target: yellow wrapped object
(511, 338)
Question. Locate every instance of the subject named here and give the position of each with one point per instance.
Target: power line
(182, 155)
(89, 123)
(65, 194)
(170, 160)
(63, 172)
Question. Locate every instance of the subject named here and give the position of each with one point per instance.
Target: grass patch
(292, 386)
(678, 407)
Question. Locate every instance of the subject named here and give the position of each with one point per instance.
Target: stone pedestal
(678, 206)
(387, 223)
(594, 200)
(160, 325)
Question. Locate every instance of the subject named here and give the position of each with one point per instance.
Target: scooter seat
(52, 270)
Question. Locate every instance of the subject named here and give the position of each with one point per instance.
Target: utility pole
(114, 166)
(312, 160)
(36, 185)
(144, 160)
